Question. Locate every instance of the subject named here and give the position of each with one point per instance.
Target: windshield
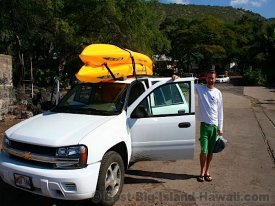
(94, 98)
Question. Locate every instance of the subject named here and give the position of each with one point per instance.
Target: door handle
(184, 124)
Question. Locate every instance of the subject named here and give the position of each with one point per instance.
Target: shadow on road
(161, 175)
(267, 102)
(133, 180)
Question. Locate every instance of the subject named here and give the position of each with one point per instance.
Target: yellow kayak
(100, 54)
(94, 74)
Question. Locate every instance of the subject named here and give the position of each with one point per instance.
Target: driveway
(244, 173)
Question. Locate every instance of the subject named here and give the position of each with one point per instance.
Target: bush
(254, 77)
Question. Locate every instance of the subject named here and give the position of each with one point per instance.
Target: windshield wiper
(99, 112)
(90, 111)
(61, 109)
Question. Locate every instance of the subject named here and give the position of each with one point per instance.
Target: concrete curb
(263, 105)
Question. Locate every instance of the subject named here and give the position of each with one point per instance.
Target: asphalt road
(243, 174)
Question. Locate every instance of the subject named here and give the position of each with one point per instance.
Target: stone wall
(6, 86)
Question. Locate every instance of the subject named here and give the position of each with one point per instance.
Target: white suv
(82, 147)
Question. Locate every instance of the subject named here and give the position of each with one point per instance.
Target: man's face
(211, 78)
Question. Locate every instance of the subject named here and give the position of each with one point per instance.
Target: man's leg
(208, 161)
(203, 160)
(204, 150)
(211, 144)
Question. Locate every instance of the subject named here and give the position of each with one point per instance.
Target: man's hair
(211, 71)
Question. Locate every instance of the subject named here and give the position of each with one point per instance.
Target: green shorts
(208, 135)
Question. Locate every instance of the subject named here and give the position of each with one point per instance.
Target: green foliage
(191, 12)
(199, 41)
(254, 77)
(209, 40)
(43, 77)
(50, 34)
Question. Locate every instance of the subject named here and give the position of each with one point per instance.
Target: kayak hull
(100, 54)
(105, 62)
(95, 74)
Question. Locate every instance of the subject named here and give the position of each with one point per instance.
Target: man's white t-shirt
(210, 105)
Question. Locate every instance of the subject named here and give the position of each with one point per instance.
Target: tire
(110, 179)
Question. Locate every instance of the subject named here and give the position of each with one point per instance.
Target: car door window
(159, 97)
(168, 99)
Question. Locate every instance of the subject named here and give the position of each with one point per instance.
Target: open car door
(162, 121)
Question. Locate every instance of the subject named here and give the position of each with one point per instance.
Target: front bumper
(73, 184)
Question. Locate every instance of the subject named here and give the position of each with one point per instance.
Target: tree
(36, 29)
(266, 56)
(197, 41)
(52, 33)
(247, 29)
(210, 41)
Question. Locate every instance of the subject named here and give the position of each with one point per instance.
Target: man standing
(210, 115)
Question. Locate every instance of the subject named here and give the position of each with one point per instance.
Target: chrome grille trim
(39, 158)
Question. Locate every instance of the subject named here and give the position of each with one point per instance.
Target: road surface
(243, 174)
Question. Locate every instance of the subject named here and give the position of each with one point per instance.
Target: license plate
(23, 181)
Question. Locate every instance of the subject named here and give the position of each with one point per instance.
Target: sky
(265, 8)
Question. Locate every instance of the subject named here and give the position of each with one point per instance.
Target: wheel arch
(121, 149)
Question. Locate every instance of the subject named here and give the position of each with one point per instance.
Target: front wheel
(110, 179)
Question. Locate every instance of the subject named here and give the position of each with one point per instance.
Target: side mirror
(139, 112)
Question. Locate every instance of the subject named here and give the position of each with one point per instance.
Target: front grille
(36, 163)
(33, 148)
(39, 155)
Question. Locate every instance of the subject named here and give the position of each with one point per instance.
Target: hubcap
(113, 179)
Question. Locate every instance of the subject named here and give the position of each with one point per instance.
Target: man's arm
(220, 116)
(174, 77)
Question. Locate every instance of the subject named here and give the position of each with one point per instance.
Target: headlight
(72, 156)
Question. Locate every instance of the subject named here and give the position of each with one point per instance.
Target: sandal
(200, 178)
(208, 178)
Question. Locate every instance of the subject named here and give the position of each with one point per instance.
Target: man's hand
(174, 77)
(220, 132)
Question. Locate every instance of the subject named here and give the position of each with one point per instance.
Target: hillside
(189, 12)
(271, 20)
